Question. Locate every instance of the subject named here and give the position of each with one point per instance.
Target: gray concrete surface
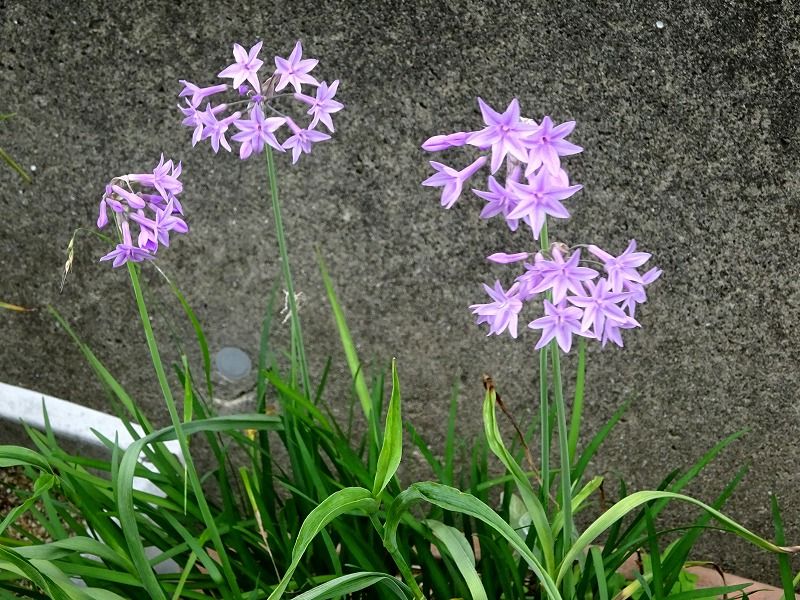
(691, 137)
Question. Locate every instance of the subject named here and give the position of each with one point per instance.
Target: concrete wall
(691, 137)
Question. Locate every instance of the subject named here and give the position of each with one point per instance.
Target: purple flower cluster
(595, 297)
(255, 97)
(150, 202)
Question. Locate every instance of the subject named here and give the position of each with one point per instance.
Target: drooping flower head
(251, 107)
(148, 200)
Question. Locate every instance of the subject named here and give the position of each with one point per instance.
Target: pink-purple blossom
(502, 312)
(547, 144)
(322, 104)
(257, 131)
(245, 68)
(451, 180)
(560, 322)
(295, 69)
(301, 140)
(578, 298)
(132, 201)
(504, 133)
(254, 92)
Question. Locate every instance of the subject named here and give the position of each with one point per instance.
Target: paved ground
(691, 137)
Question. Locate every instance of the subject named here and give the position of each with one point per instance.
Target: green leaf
(127, 469)
(392, 448)
(344, 501)
(12, 456)
(529, 497)
(629, 503)
(347, 343)
(451, 499)
(354, 582)
(784, 565)
(6, 157)
(462, 554)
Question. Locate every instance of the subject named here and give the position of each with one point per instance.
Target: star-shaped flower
(294, 70)
(257, 131)
(540, 197)
(623, 267)
(162, 178)
(452, 180)
(322, 105)
(157, 230)
(216, 129)
(126, 251)
(501, 200)
(245, 68)
(502, 313)
(561, 322)
(547, 143)
(599, 304)
(302, 139)
(505, 133)
(561, 275)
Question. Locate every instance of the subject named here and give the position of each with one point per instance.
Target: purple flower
(636, 293)
(452, 180)
(438, 143)
(156, 231)
(133, 200)
(199, 94)
(530, 278)
(623, 267)
(599, 304)
(163, 178)
(216, 129)
(302, 139)
(560, 275)
(294, 70)
(611, 331)
(501, 258)
(126, 251)
(501, 200)
(547, 143)
(194, 118)
(505, 133)
(561, 321)
(257, 131)
(503, 312)
(322, 105)
(245, 68)
(540, 197)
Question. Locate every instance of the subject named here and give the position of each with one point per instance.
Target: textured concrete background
(691, 137)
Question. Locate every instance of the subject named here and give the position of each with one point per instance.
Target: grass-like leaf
(461, 552)
(392, 448)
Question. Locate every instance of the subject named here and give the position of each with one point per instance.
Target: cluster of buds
(150, 202)
(256, 98)
(595, 297)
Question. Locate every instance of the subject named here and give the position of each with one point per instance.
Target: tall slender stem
(161, 375)
(566, 463)
(294, 316)
(544, 403)
(563, 435)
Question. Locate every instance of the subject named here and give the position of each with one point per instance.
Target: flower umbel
(256, 93)
(132, 200)
(577, 299)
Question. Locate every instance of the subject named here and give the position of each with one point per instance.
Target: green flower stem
(297, 336)
(577, 405)
(403, 567)
(563, 437)
(566, 463)
(544, 405)
(176, 422)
